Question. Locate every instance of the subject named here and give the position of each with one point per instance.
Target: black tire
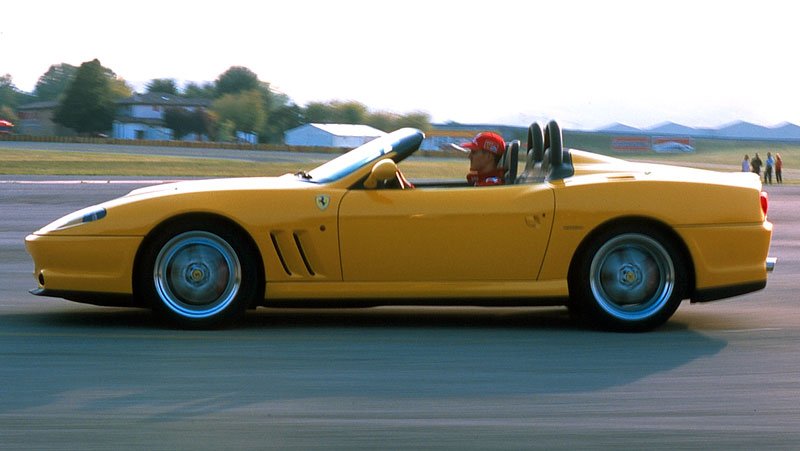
(201, 275)
(629, 279)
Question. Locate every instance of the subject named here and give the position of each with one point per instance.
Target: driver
(485, 151)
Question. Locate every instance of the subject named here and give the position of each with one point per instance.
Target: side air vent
(291, 248)
(302, 253)
(280, 254)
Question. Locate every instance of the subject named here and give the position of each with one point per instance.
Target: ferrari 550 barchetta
(621, 244)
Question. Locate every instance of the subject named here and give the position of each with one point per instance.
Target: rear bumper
(729, 255)
(713, 294)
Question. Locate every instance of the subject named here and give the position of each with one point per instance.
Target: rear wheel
(198, 276)
(629, 279)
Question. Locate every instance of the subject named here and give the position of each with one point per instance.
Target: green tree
(336, 112)
(119, 87)
(317, 112)
(226, 130)
(165, 85)
(194, 90)
(183, 121)
(52, 84)
(245, 110)
(416, 119)
(235, 80)
(88, 103)
(8, 92)
(10, 95)
(283, 117)
(178, 120)
(383, 121)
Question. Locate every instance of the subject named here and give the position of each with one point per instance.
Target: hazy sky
(585, 63)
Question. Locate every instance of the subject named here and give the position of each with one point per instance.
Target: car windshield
(405, 140)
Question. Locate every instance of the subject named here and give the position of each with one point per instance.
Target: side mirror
(381, 172)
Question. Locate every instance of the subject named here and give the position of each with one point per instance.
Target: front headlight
(89, 214)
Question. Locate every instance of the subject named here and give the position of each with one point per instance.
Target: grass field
(721, 155)
(50, 162)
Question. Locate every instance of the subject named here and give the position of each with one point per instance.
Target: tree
(383, 121)
(8, 92)
(119, 87)
(350, 112)
(244, 110)
(416, 119)
(194, 90)
(183, 121)
(286, 116)
(52, 84)
(336, 112)
(235, 80)
(165, 85)
(88, 103)
(10, 96)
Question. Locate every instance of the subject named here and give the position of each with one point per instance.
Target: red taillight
(764, 202)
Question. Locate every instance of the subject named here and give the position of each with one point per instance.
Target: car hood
(287, 181)
(133, 213)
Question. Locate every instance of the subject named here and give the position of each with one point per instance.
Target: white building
(331, 135)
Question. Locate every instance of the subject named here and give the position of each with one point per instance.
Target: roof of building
(47, 105)
(348, 129)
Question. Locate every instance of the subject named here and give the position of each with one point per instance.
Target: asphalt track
(723, 375)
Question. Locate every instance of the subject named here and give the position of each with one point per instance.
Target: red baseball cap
(488, 141)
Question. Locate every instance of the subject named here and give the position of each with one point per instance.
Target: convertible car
(620, 244)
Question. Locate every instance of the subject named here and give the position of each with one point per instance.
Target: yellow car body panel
(727, 245)
(85, 263)
(426, 235)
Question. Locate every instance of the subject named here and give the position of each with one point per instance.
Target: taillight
(764, 202)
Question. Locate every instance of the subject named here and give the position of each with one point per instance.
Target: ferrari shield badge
(323, 200)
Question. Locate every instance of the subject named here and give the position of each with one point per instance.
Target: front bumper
(89, 264)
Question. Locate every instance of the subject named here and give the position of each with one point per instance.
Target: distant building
(36, 119)
(141, 116)
(331, 135)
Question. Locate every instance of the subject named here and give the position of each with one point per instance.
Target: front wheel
(629, 279)
(197, 277)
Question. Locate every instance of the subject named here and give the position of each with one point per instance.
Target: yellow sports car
(620, 244)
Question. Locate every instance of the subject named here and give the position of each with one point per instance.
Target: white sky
(585, 63)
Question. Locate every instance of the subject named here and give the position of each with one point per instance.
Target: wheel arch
(636, 221)
(188, 218)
